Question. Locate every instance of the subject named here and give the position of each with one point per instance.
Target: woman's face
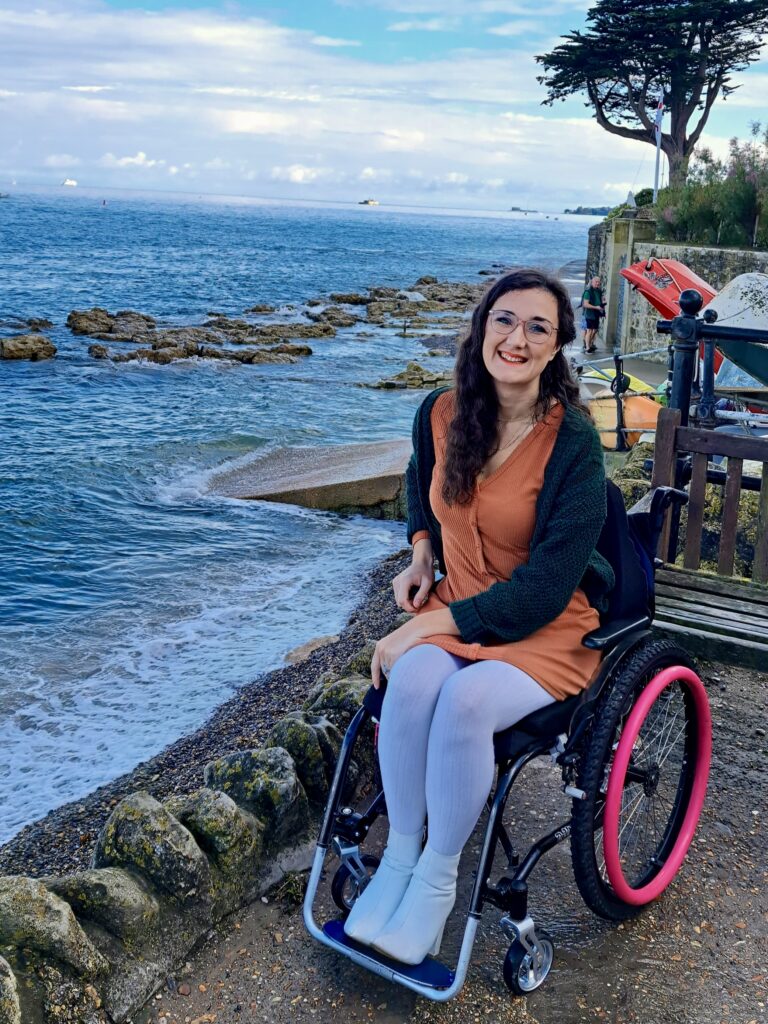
(517, 358)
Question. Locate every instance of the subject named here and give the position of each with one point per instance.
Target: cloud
(140, 160)
(374, 174)
(252, 122)
(62, 160)
(88, 88)
(522, 27)
(298, 174)
(236, 101)
(331, 41)
(429, 25)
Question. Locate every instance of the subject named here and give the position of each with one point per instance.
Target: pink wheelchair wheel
(660, 767)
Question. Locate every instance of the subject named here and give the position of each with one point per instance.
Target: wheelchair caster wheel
(524, 972)
(346, 887)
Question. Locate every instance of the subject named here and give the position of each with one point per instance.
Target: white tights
(436, 739)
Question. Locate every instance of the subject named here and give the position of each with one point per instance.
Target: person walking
(593, 305)
(506, 490)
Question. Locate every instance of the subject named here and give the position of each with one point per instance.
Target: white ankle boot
(381, 897)
(416, 927)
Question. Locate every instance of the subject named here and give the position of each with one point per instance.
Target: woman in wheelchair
(535, 642)
(506, 488)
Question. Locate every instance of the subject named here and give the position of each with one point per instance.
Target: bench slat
(677, 577)
(711, 442)
(760, 565)
(663, 474)
(666, 593)
(696, 491)
(735, 621)
(730, 516)
(749, 653)
(711, 624)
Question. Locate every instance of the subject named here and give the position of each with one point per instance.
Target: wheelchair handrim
(616, 781)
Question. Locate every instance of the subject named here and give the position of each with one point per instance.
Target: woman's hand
(420, 574)
(394, 645)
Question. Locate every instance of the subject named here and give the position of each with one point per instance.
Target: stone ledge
(363, 478)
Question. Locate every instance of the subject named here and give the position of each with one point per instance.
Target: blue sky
(431, 102)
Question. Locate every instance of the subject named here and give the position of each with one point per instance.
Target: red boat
(662, 281)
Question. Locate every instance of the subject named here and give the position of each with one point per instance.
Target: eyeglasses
(505, 322)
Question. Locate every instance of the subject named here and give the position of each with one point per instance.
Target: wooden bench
(712, 613)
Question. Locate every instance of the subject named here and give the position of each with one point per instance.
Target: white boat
(70, 181)
(368, 202)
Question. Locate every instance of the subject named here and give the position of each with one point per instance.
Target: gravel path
(697, 957)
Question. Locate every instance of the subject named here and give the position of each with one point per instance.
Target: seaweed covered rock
(340, 700)
(10, 1011)
(228, 834)
(27, 346)
(350, 298)
(631, 476)
(125, 325)
(335, 316)
(265, 783)
(118, 900)
(314, 743)
(33, 917)
(142, 835)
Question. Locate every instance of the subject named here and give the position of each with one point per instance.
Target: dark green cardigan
(570, 511)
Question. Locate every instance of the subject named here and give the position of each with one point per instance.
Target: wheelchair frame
(344, 830)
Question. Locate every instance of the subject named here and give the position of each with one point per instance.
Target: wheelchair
(634, 750)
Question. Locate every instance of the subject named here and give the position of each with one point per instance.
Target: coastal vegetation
(632, 56)
(724, 202)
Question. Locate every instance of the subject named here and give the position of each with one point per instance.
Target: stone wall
(92, 947)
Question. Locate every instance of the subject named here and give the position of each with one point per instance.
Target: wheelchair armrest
(606, 636)
(656, 502)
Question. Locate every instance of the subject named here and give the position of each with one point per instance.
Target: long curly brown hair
(473, 433)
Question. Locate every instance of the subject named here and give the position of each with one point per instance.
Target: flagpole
(659, 117)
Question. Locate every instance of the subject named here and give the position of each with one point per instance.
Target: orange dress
(487, 539)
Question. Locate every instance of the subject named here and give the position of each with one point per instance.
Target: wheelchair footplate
(430, 973)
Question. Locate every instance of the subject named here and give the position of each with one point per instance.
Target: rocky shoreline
(64, 840)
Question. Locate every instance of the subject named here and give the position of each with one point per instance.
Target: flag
(659, 116)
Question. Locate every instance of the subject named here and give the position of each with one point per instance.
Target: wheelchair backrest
(632, 596)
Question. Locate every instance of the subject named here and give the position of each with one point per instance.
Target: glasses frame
(533, 339)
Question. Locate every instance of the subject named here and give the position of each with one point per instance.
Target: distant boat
(5, 195)
(70, 181)
(368, 202)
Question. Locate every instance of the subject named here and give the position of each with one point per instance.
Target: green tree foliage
(723, 202)
(631, 51)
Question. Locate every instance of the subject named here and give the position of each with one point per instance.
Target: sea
(133, 600)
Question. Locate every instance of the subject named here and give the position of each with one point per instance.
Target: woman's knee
(463, 703)
(418, 674)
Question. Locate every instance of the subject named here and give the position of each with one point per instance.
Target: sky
(414, 102)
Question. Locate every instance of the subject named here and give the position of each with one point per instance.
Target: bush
(723, 202)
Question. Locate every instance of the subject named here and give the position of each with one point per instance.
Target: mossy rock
(33, 917)
(140, 834)
(360, 662)
(118, 900)
(265, 782)
(634, 463)
(10, 1011)
(632, 490)
(231, 836)
(340, 701)
(314, 743)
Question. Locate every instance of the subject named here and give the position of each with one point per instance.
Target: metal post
(686, 336)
